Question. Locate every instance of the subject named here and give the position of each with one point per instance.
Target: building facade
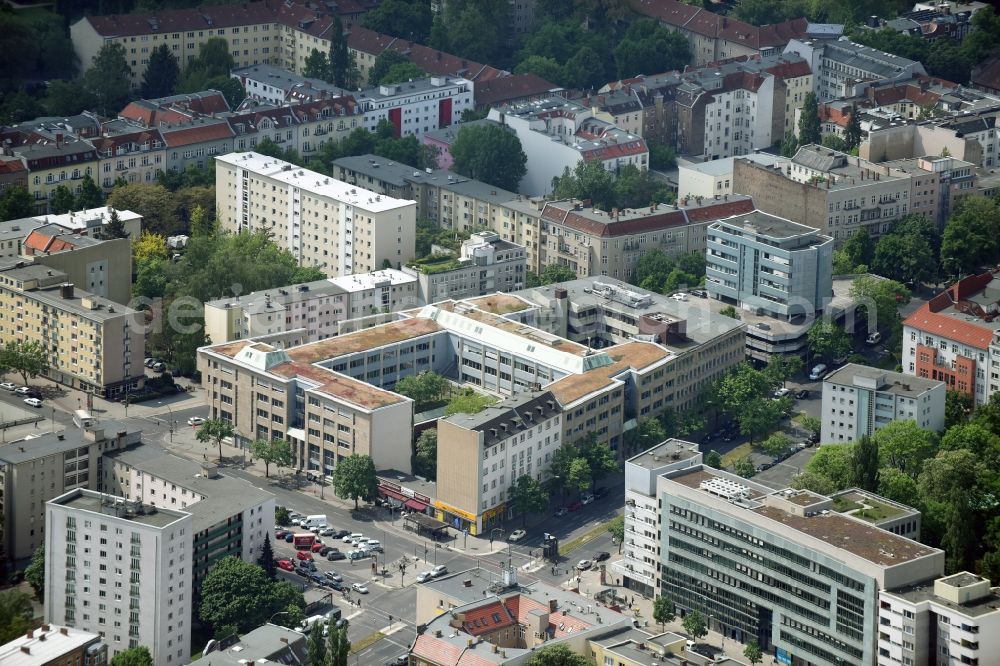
(858, 400)
(838, 66)
(769, 264)
(416, 106)
(323, 222)
(55, 645)
(101, 267)
(485, 265)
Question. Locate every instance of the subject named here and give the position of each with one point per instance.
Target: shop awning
(385, 492)
(415, 505)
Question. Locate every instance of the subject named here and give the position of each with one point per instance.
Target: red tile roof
(986, 75)
(512, 88)
(12, 165)
(42, 243)
(928, 317)
(436, 650)
(703, 22)
(180, 20)
(486, 619)
(716, 210)
(176, 137)
(138, 137)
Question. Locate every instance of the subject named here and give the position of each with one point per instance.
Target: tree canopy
(491, 154)
(354, 478)
(109, 79)
(238, 594)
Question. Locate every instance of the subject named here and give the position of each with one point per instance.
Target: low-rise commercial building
(858, 400)
(770, 265)
(93, 344)
(323, 222)
(485, 265)
(784, 568)
(55, 645)
(954, 619)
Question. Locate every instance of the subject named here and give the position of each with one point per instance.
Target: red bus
(304, 541)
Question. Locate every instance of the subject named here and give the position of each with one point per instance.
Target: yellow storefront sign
(471, 517)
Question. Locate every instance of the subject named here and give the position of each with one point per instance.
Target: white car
(583, 565)
(817, 372)
(424, 576)
(587, 499)
(781, 393)
(195, 421)
(8, 386)
(327, 531)
(516, 535)
(680, 296)
(334, 576)
(360, 588)
(439, 571)
(22, 390)
(33, 402)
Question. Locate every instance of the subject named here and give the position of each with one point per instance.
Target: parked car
(814, 437)
(679, 296)
(360, 588)
(33, 402)
(561, 511)
(782, 392)
(358, 554)
(439, 571)
(600, 492)
(307, 565)
(601, 556)
(802, 394)
(195, 421)
(324, 550)
(424, 576)
(303, 555)
(587, 499)
(575, 506)
(583, 565)
(280, 534)
(8, 386)
(327, 532)
(289, 537)
(873, 338)
(158, 367)
(286, 565)
(699, 293)
(302, 572)
(334, 576)
(22, 390)
(335, 555)
(817, 372)
(340, 534)
(516, 535)
(317, 546)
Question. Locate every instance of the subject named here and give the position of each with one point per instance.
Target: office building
(486, 453)
(836, 193)
(55, 645)
(784, 568)
(840, 66)
(94, 344)
(34, 471)
(317, 309)
(950, 620)
(485, 265)
(323, 222)
(858, 400)
(120, 569)
(770, 265)
(557, 134)
(640, 561)
(953, 338)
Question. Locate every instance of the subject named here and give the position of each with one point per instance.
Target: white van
(82, 418)
(316, 521)
(874, 338)
(311, 622)
(817, 372)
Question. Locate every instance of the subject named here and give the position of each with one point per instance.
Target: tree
(730, 311)
(556, 655)
(338, 646)
(547, 68)
(661, 156)
(276, 451)
(282, 516)
(648, 434)
(153, 202)
(905, 258)
(782, 368)
(753, 653)
(859, 249)
(578, 475)
(814, 482)
(971, 236)
(354, 478)
(811, 424)
(648, 47)
(161, 73)
(852, 133)
(587, 180)
(834, 463)
(316, 66)
(694, 625)
(401, 73)
(217, 430)
(810, 129)
(904, 445)
(776, 444)
(343, 71)
(468, 402)
(114, 228)
(552, 274)
(109, 78)
(528, 497)
(827, 340)
(68, 98)
(266, 559)
(425, 389)
(865, 461)
(90, 195)
(896, 485)
(149, 248)
(399, 18)
(713, 459)
(16, 613)
(744, 467)
(789, 145)
(27, 358)
(383, 63)
(34, 573)
(425, 454)
(599, 456)
(136, 656)
(239, 594)
(491, 154)
(616, 527)
(835, 142)
(663, 610)
(316, 645)
(16, 202)
(61, 200)
(953, 480)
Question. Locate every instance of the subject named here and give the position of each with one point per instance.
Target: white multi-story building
(639, 566)
(486, 264)
(715, 177)
(557, 134)
(859, 399)
(315, 308)
(121, 569)
(951, 620)
(486, 453)
(322, 221)
(839, 66)
(416, 106)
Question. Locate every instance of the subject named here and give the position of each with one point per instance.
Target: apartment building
(129, 152)
(323, 222)
(953, 338)
(950, 620)
(120, 569)
(714, 37)
(486, 264)
(770, 265)
(268, 84)
(938, 185)
(418, 105)
(557, 134)
(784, 567)
(230, 517)
(705, 180)
(267, 643)
(828, 190)
(315, 308)
(34, 471)
(94, 344)
(640, 563)
(92, 221)
(486, 453)
(858, 400)
(840, 66)
(55, 645)
(501, 344)
(101, 267)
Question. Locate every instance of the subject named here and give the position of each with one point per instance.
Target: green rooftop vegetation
(867, 509)
(435, 264)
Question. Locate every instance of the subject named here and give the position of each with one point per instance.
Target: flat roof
(54, 443)
(924, 591)
(888, 381)
(625, 357)
(47, 644)
(114, 507)
(364, 281)
(664, 452)
(313, 182)
(266, 643)
(388, 91)
(51, 294)
(724, 165)
(339, 386)
(365, 339)
(772, 227)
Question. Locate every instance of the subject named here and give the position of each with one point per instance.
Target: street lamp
(276, 615)
(170, 423)
(494, 531)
